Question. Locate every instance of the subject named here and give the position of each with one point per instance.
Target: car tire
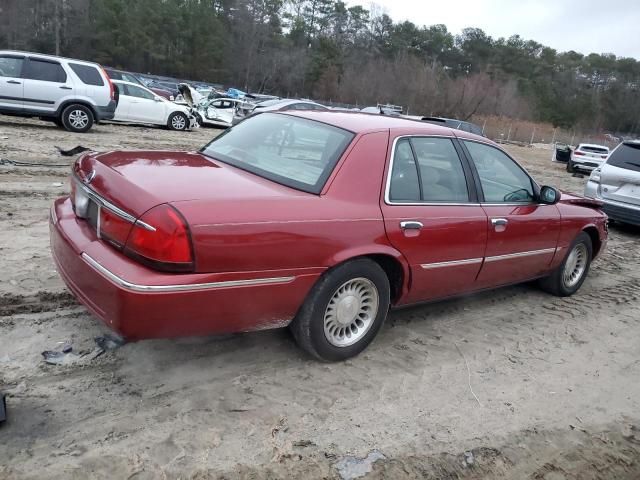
(344, 311)
(77, 118)
(570, 167)
(178, 121)
(570, 275)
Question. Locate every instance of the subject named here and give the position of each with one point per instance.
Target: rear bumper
(140, 303)
(622, 212)
(108, 112)
(587, 165)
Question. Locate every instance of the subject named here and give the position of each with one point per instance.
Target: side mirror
(549, 195)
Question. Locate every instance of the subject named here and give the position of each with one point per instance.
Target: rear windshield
(293, 151)
(88, 74)
(600, 150)
(626, 156)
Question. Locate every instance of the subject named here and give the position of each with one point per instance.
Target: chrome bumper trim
(182, 288)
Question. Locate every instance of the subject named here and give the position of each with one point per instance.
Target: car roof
(44, 55)
(358, 122)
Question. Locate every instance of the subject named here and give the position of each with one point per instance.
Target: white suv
(72, 93)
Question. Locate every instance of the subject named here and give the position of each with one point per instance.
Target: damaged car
(319, 221)
(138, 104)
(218, 112)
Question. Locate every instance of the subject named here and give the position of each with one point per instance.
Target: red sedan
(320, 221)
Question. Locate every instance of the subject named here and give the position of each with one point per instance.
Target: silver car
(72, 93)
(617, 183)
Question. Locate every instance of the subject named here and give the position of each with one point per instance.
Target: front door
(523, 234)
(432, 216)
(143, 106)
(11, 82)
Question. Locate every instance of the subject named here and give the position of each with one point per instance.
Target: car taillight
(113, 227)
(112, 89)
(578, 153)
(161, 239)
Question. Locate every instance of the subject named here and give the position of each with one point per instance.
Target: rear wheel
(570, 275)
(344, 311)
(77, 118)
(178, 121)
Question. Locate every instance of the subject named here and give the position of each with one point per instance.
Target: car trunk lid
(137, 181)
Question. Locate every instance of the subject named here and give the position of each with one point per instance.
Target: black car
(456, 124)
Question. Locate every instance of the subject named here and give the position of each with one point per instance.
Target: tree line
(327, 50)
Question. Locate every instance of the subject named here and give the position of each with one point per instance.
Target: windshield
(293, 151)
(626, 156)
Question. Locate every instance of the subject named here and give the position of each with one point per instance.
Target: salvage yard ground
(556, 380)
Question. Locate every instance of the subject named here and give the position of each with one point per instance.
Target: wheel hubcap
(178, 122)
(575, 266)
(351, 311)
(78, 119)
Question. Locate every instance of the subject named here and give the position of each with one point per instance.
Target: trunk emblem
(90, 177)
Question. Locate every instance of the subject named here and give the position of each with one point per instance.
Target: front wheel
(178, 121)
(344, 311)
(570, 275)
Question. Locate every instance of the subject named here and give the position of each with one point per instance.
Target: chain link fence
(542, 135)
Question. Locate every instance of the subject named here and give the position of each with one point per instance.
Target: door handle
(64, 87)
(499, 222)
(411, 225)
(14, 82)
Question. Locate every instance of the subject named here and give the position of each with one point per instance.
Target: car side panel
(298, 231)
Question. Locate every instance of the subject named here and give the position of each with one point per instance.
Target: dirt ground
(556, 379)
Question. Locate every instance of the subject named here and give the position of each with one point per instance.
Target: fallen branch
(468, 372)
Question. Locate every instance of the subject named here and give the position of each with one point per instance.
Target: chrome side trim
(453, 263)
(520, 254)
(182, 288)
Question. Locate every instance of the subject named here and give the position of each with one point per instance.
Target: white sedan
(138, 104)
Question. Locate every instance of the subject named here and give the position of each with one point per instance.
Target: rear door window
(45, 71)
(88, 74)
(11, 66)
(440, 169)
(598, 150)
(429, 170)
(626, 156)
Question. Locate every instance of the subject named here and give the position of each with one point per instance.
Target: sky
(586, 26)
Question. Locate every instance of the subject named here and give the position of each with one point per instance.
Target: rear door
(523, 234)
(620, 176)
(432, 216)
(46, 83)
(11, 81)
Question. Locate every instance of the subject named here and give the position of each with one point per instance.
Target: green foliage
(321, 47)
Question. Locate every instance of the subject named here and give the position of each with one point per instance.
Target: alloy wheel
(78, 119)
(351, 312)
(575, 265)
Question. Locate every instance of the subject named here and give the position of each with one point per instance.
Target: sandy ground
(556, 379)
